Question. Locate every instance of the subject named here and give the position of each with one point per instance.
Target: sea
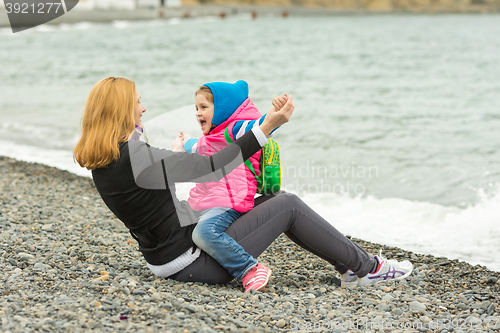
(395, 134)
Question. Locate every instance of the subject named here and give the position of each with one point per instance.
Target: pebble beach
(67, 264)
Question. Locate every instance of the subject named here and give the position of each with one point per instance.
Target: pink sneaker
(256, 278)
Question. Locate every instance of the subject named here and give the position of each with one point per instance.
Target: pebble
(485, 305)
(425, 319)
(113, 289)
(384, 307)
(156, 296)
(473, 320)
(25, 256)
(40, 266)
(47, 227)
(69, 265)
(180, 315)
(387, 298)
(281, 323)
(138, 292)
(397, 312)
(417, 306)
(492, 280)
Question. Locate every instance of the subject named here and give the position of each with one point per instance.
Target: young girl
(224, 109)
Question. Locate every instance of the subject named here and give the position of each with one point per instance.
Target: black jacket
(138, 189)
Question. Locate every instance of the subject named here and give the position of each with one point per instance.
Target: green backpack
(269, 178)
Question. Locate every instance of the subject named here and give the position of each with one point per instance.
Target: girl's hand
(177, 145)
(184, 137)
(279, 102)
(275, 118)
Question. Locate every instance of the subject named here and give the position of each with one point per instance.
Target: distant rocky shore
(427, 6)
(225, 8)
(68, 265)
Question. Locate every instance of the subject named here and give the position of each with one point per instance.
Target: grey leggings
(272, 216)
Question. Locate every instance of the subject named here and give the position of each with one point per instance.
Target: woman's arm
(150, 165)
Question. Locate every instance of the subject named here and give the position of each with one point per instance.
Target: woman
(135, 181)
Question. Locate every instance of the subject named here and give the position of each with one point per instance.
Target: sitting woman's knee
(289, 199)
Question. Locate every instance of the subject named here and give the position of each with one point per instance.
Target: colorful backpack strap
(247, 162)
(269, 179)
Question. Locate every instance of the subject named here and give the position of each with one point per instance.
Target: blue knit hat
(227, 98)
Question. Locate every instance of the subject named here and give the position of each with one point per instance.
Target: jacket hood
(227, 99)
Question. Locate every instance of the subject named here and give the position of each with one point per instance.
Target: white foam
(60, 159)
(205, 19)
(471, 234)
(120, 24)
(84, 25)
(174, 21)
(6, 32)
(35, 130)
(45, 28)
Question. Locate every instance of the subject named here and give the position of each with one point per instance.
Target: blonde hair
(207, 92)
(107, 121)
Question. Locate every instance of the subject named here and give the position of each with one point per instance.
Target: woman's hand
(177, 145)
(276, 118)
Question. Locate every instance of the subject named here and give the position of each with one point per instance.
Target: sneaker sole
(265, 282)
(406, 275)
(351, 284)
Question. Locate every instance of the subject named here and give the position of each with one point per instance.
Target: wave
(471, 234)
(84, 25)
(61, 159)
(6, 32)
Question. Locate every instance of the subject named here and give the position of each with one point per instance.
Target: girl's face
(139, 108)
(204, 113)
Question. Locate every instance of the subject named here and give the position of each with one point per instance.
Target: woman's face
(139, 108)
(204, 113)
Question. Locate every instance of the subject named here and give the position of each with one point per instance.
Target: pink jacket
(237, 189)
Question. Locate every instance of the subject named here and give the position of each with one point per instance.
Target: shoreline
(69, 264)
(186, 12)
